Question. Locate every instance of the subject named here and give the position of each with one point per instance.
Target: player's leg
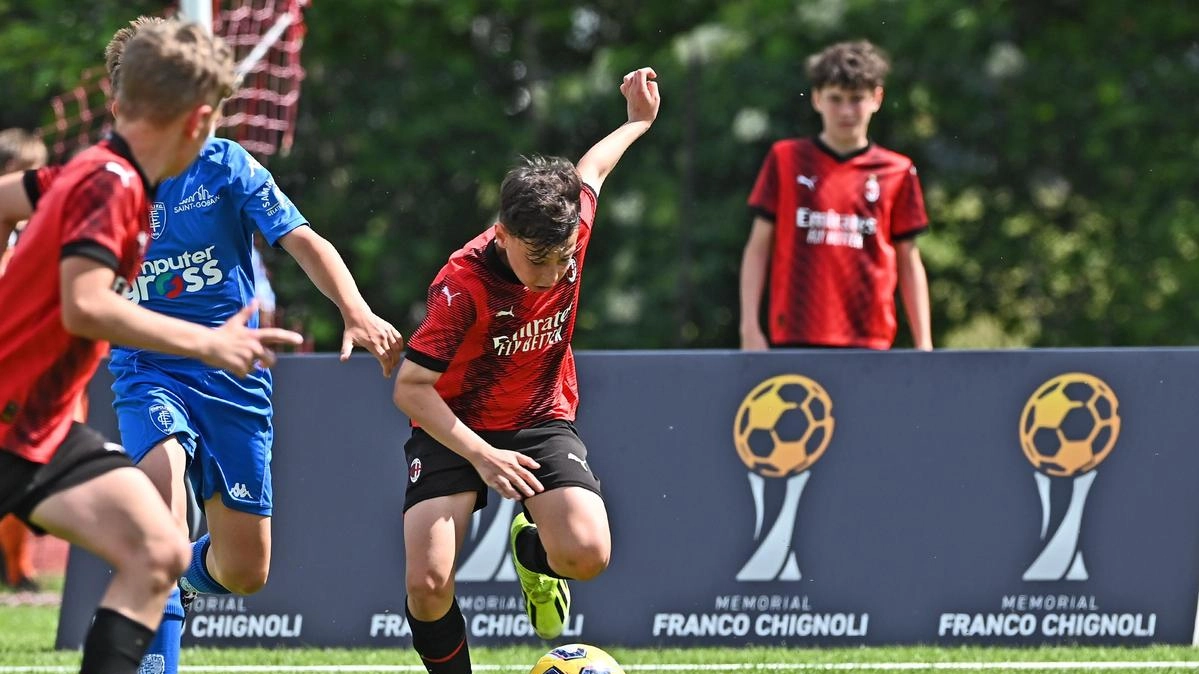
(93, 497)
(157, 432)
(238, 549)
(443, 491)
(232, 474)
(568, 535)
(433, 533)
(15, 540)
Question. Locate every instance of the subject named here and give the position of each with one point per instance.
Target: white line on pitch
(731, 667)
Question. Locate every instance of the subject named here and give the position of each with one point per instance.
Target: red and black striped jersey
(837, 218)
(96, 207)
(503, 350)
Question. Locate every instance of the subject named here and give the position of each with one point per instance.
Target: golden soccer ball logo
(1070, 424)
(783, 426)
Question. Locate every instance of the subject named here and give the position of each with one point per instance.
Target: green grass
(27, 640)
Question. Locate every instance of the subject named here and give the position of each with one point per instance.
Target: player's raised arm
(642, 101)
(328, 272)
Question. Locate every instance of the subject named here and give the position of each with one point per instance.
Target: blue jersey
(197, 266)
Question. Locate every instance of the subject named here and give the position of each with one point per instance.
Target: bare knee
(582, 562)
(430, 594)
(158, 562)
(247, 580)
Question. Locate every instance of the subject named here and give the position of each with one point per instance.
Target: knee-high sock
(114, 644)
(162, 657)
(441, 644)
(197, 578)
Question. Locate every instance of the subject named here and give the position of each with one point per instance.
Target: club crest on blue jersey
(163, 418)
(158, 219)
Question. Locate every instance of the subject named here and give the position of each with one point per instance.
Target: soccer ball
(783, 426)
(576, 659)
(1070, 424)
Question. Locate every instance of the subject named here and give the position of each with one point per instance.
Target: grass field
(27, 645)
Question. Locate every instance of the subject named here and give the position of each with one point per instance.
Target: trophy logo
(781, 428)
(1068, 427)
(489, 561)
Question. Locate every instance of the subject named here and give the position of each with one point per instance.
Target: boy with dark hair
(836, 220)
(489, 384)
(62, 306)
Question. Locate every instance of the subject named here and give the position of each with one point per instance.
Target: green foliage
(1054, 141)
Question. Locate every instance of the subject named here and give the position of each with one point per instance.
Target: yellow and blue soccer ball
(576, 659)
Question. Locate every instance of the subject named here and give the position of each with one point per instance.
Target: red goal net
(266, 36)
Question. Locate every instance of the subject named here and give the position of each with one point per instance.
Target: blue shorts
(224, 424)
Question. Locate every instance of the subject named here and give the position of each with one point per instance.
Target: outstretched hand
(378, 337)
(641, 92)
(238, 349)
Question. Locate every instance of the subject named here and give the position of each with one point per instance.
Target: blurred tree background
(1055, 141)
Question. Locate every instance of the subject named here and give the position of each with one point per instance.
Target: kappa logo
(162, 417)
(239, 491)
(807, 182)
(158, 219)
(449, 297)
(582, 462)
(414, 469)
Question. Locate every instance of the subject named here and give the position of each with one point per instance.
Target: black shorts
(435, 470)
(83, 455)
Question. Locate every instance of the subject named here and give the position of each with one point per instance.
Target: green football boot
(547, 599)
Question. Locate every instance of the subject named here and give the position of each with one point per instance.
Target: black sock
(441, 644)
(115, 644)
(531, 553)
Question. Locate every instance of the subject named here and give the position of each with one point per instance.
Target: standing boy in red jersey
(62, 299)
(489, 383)
(836, 223)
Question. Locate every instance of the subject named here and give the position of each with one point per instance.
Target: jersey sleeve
(763, 200)
(263, 205)
(908, 217)
(97, 217)
(451, 312)
(37, 181)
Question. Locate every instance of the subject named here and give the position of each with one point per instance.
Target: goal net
(266, 37)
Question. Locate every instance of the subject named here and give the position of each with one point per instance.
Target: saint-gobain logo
(486, 558)
(162, 417)
(781, 429)
(1068, 427)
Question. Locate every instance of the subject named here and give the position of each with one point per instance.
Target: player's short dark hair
(849, 65)
(539, 202)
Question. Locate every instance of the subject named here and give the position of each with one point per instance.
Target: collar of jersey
(841, 157)
(120, 146)
(491, 259)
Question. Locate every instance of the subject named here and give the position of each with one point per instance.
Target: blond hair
(21, 150)
(169, 68)
(116, 46)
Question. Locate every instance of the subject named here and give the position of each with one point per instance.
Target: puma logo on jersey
(449, 297)
(807, 182)
(239, 491)
(506, 312)
(582, 462)
(125, 174)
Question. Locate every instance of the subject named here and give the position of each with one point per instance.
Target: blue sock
(196, 577)
(162, 656)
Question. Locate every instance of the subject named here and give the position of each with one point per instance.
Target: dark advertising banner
(842, 498)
